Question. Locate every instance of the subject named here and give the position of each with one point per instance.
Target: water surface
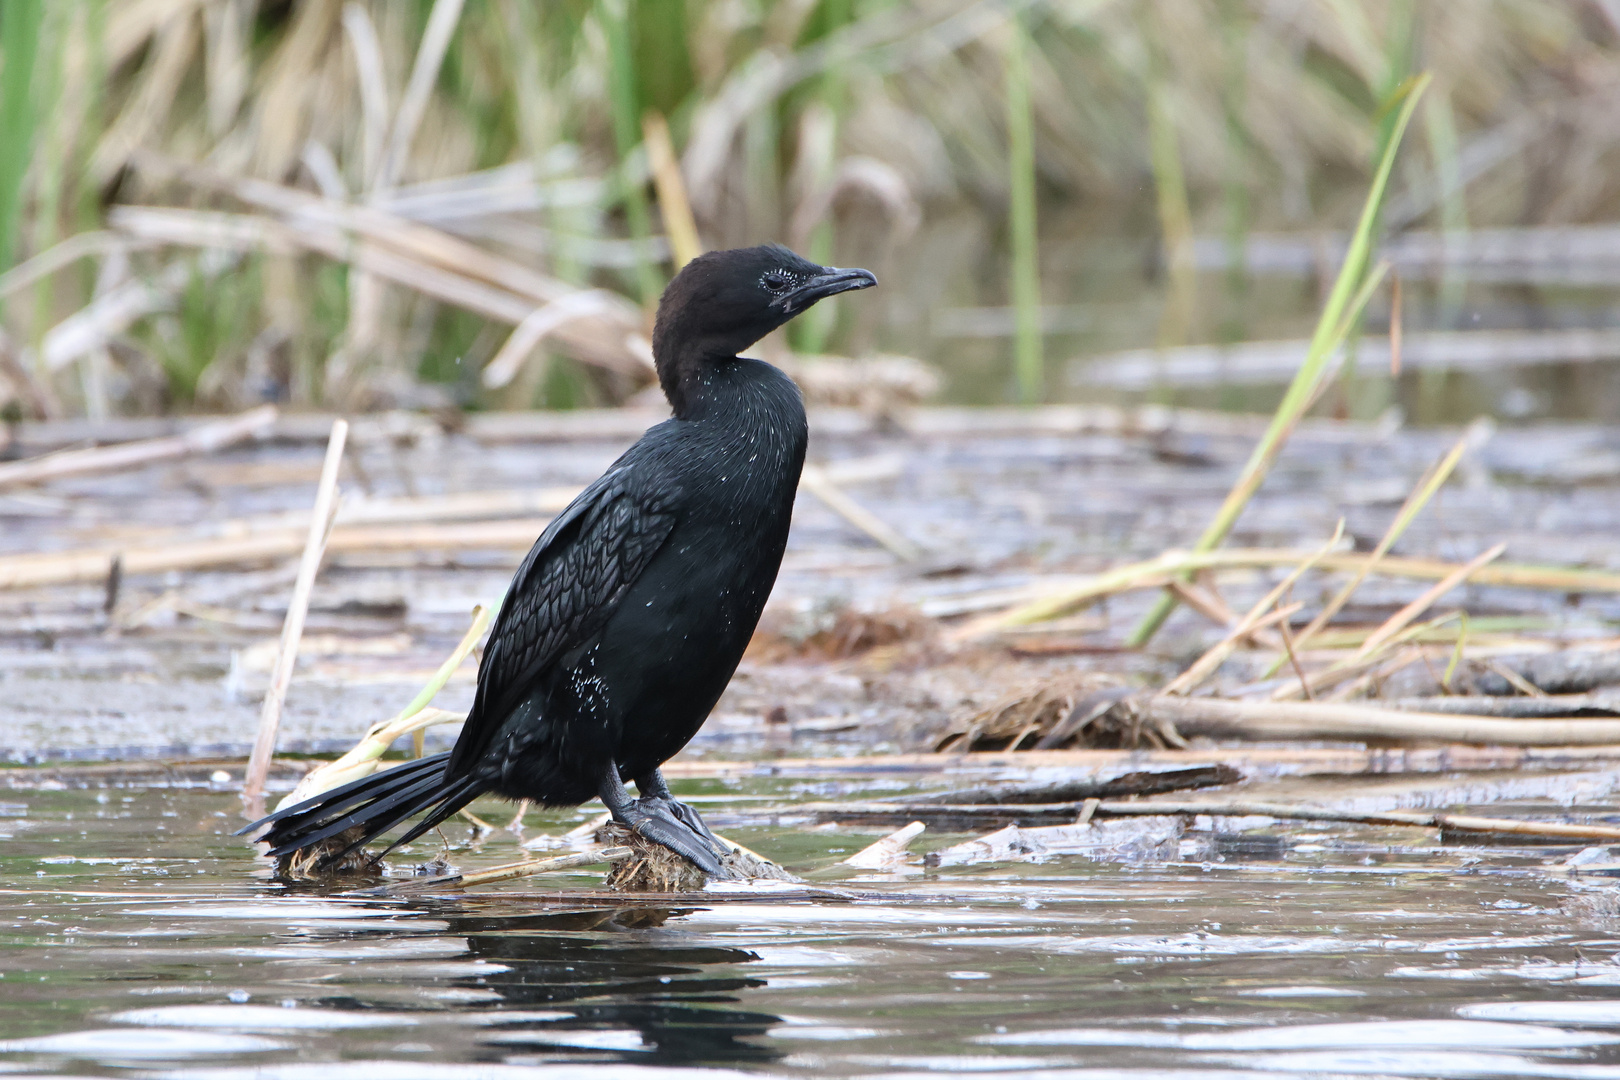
(139, 939)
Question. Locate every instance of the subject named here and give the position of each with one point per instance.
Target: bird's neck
(681, 374)
(734, 391)
(707, 385)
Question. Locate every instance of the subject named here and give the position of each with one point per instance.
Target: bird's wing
(567, 588)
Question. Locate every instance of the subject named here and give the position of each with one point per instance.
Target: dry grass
(838, 125)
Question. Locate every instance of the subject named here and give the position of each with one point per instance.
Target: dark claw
(662, 827)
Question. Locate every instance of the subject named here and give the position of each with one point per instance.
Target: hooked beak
(830, 282)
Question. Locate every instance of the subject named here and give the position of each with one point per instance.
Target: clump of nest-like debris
(652, 867)
(327, 860)
(1075, 710)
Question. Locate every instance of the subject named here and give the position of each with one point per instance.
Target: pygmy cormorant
(629, 615)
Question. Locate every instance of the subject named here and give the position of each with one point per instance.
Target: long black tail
(375, 803)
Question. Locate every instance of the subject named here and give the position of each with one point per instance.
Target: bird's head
(722, 302)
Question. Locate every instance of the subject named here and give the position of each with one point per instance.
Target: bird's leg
(654, 820)
(654, 788)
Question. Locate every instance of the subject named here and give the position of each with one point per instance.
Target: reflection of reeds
(519, 128)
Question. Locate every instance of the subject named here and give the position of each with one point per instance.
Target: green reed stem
(1026, 272)
(1338, 317)
(20, 22)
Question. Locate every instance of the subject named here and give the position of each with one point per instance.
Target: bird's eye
(775, 280)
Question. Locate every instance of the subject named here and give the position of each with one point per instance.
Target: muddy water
(136, 940)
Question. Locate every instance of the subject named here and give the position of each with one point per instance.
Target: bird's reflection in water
(638, 990)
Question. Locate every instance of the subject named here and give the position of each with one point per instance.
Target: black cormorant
(629, 616)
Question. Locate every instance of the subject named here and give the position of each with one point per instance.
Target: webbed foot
(690, 818)
(656, 822)
(663, 820)
(654, 789)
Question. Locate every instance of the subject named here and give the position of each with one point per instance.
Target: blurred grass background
(1032, 180)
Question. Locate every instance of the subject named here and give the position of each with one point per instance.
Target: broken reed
(1351, 291)
(1044, 602)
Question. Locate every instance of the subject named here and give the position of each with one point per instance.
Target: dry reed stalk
(1333, 677)
(944, 816)
(130, 25)
(441, 26)
(1402, 618)
(1517, 681)
(23, 571)
(94, 325)
(1455, 822)
(1038, 603)
(293, 629)
(1251, 760)
(1217, 654)
(242, 232)
(1293, 660)
(90, 565)
(365, 757)
(588, 827)
(289, 82)
(1075, 789)
(1539, 705)
(370, 73)
(1393, 630)
(1381, 668)
(409, 238)
(402, 524)
(366, 295)
(163, 225)
(1431, 482)
(1206, 603)
(576, 317)
(177, 43)
(402, 510)
(1257, 618)
(815, 480)
(536, 327)
(470, 506)
(673, 204)
(60, 256)
(395, 243)
(96, 364)
(1517, 575)
(227, 61)
(502, 873)
(204, 439)
(1273, 720)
